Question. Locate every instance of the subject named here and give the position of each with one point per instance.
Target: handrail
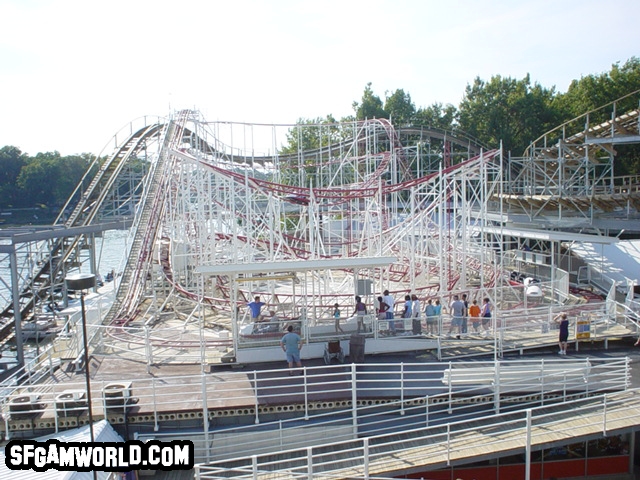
(438, 444)
(562, 128)
(415, 411)
(413, 391)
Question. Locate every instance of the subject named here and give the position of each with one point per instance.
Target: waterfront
(110, 250)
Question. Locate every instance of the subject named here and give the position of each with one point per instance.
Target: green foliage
(44, 180)
(437, 116)
(12, 160)
(514, 112)
(506, 110)
(371, 106)
(400, 108)
(300, 138)
(594, 91)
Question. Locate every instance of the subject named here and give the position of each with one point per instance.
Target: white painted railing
(521, 428)
(340, 401)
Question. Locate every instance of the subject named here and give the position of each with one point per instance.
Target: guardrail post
(365, 453)
(426, 410)
(604, 415)
(148, 348)
(6, 420)
(205, 416)
(310, 463)
(156, 427)
(401, 388)
(256, 405)
(542, 377)
(527, 469)
(496, 386)
(306, 393)
(354, 399)
(55, 411)
(254, 466)
(448, 444)
(627, 372)
(449, 409)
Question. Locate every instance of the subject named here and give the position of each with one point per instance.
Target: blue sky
(73, 72)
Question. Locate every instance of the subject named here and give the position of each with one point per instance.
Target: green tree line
(502, 109)
(45, 180)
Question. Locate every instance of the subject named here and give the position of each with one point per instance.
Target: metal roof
(619, 262)
(103, 432)
(548, 235)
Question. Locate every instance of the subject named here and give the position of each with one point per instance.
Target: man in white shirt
(388, 299)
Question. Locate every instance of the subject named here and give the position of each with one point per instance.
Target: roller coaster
(210, 193)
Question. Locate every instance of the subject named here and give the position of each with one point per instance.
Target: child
(336, 316)
(474, 313)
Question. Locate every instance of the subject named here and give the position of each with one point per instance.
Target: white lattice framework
(567, 178)
(355, 191)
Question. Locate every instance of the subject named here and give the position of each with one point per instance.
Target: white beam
(295, 265)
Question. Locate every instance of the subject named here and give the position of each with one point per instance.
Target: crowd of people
(463, 317)
(430, 319)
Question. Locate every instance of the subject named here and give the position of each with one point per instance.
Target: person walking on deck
(457, 314)
(563, 322)
(291, 345)
(438, 312)
(465, 315)
(388, 299)
(430, 313)
(485, 313)
(474, 314)
(406, 313)
(360, 312)
(336, 317)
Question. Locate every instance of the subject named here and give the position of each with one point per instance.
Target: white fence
(437, 445)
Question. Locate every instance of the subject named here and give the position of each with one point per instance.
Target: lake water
(110, 250)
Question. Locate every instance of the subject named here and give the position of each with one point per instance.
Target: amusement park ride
(221, 212)
(307, 217)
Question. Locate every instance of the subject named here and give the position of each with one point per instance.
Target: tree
(300, 138)
(508, 110)
(594, 91)
(437, 116)
(12, 160)
(49, 178)
(400, 108)
(371, 106)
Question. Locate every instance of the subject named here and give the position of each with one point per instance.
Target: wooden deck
(468, 442)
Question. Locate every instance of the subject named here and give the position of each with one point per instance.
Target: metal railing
(337, 402)
(511, 330)
(437, 444)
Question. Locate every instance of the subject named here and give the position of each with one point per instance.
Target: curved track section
(370, 200)
(58, 255)
(354, 190)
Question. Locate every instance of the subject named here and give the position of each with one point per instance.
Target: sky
(75, 72)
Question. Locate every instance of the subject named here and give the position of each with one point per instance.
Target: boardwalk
(438, 447)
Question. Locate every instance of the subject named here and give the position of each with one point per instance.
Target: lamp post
(81, 282)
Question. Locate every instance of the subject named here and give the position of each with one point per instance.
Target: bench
(521, 377)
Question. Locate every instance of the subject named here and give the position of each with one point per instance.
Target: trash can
(356, 348)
